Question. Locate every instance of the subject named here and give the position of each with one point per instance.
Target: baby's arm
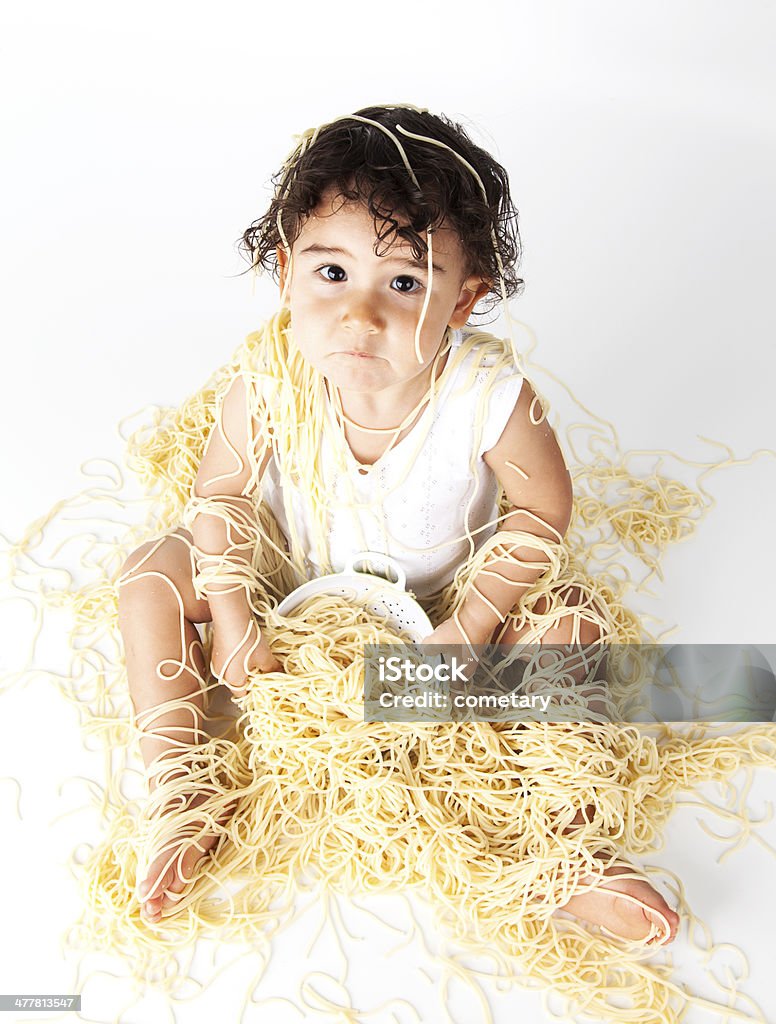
(223, 523)
(529, 464)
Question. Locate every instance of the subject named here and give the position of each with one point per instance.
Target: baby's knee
(152, 556)
(578, 619)
(160, 570)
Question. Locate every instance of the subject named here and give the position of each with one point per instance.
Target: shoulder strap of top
(498, 382)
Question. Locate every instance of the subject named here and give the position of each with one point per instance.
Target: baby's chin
(358, 373)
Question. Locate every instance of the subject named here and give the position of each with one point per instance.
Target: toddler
(387, 228)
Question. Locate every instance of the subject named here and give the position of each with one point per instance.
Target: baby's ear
(282, 259)
(472, 290)
(283, 262)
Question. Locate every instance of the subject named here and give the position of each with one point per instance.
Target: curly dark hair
(362, 162)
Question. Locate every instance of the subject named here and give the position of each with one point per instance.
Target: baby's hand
(450, 633)
(238, 650)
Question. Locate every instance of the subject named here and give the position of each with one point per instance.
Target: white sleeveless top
(416, 501)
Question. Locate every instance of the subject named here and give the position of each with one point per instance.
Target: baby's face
(354, 314)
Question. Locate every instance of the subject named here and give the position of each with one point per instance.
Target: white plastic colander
(379, 595)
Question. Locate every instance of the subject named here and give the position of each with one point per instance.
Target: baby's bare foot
(171, 870)
(629, 908)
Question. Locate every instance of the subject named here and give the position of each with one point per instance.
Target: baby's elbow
(204, 488)
(559, 506)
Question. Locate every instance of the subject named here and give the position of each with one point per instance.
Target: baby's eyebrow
(334, 250)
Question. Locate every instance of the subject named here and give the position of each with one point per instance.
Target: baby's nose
(363, 312)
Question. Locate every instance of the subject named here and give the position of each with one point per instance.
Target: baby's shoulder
(483, 348)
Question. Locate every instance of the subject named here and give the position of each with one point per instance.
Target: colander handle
(385, 562)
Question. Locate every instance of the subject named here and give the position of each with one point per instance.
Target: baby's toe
(672, 919)
(152, 909)
(170, 893)
(152, 888)
(177, 884)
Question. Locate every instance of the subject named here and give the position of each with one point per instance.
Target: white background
(138, 146)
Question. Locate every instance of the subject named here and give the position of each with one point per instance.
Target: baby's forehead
(336, 219)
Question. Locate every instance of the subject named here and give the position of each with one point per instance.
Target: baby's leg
(573, 641)
(628, 907)
(158, 609)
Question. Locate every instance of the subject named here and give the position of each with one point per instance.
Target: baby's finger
(263, 660)
(271, 665)
(236, 692)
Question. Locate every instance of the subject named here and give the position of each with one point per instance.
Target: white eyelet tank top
(417, 501)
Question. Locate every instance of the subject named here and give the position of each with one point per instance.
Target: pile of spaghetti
(301, 791)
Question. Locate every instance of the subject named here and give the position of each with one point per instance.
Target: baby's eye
(332, 266)
(411, 280)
